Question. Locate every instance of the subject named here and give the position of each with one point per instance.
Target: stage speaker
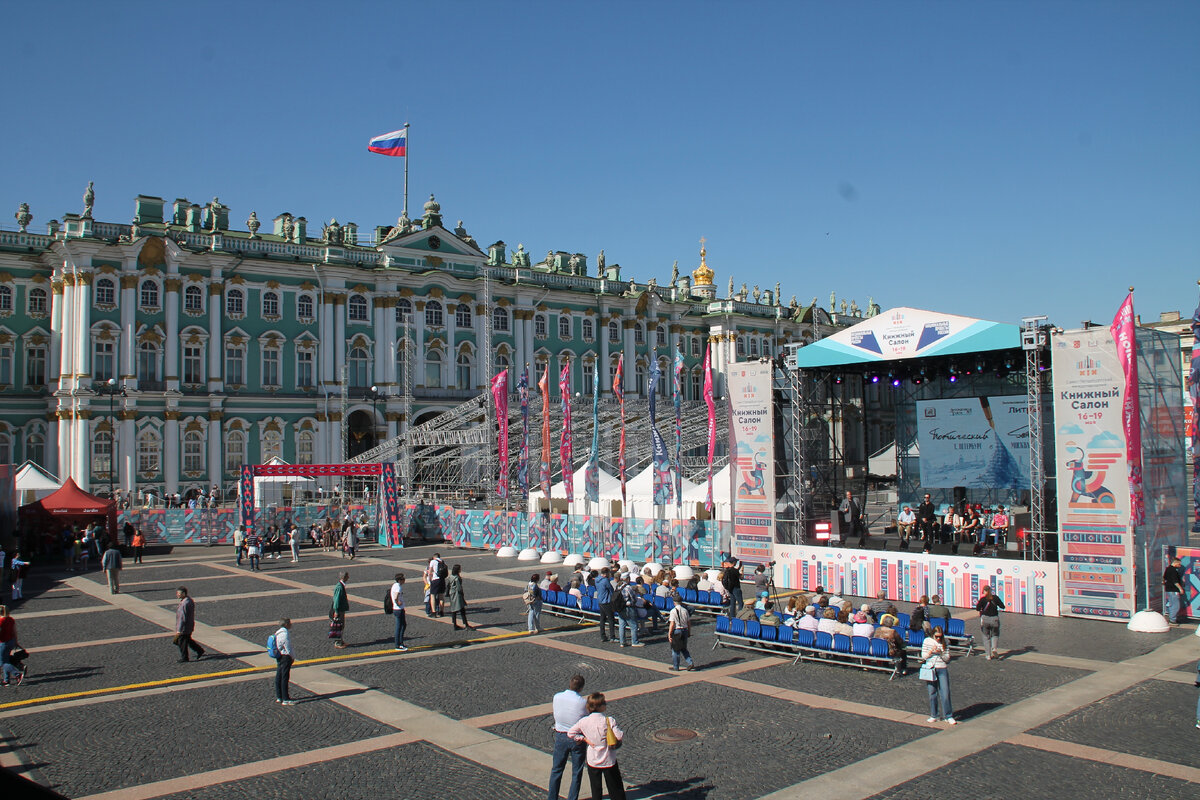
(960, 496)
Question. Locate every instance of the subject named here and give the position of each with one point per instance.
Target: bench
(955, 630)
(804, 645)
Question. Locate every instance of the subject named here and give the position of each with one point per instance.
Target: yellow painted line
(248, 670)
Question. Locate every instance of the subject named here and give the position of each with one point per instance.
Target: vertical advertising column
(1096, 545)
(752, 453)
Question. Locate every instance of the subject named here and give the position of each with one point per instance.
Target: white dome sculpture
(573, 560)
(654, 567)
(529, 554)
(506, 552)
(598, 563)
(552, 557)
(1148, 622)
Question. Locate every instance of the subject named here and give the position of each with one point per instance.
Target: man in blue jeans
(397, 592)
(731, 579)
(627, 616)
(1173, 592)
(604, 594)
(569, 707)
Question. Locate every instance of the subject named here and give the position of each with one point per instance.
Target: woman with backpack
(284, 656)
(533, 604)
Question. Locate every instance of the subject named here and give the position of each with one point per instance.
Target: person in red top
(139, 544)
(8, 643)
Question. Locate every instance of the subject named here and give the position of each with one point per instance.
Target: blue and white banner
(975, 442)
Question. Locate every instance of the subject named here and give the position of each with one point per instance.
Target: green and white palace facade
(160, 355)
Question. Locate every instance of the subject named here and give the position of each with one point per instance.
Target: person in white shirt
(679, 626)
(397, 593)
(283, 662)
(809, 621)
(906, 522)
(569, 708)
(863, 626)
(294, 542)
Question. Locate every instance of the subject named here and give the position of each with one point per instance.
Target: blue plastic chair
(753, 628)
(768, 633)
(861, 646)
(823, 641)
(688, 595)
(737, 627)
(956, 627)
(841, 643)
(904, 619)
(722, 624)
(937, 622)
(572, 602)
(879, 648)
(804, 638)
(915, 638)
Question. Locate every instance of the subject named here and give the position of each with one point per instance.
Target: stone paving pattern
(748, 743)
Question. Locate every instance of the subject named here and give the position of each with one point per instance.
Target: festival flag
(661, 462)
(1126, 339)
(678, 427)
(591, 478)
(523, 458)
(712, 424)
(500, 396)
(619, 390)
(1194, 390)
(544, 472)
(566, 444)
(390, 144)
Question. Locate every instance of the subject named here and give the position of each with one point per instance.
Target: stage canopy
(903, 333)
(70, 504)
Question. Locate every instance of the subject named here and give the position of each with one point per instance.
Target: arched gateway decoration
(388, 490)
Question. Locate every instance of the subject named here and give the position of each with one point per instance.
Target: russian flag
(390, 144)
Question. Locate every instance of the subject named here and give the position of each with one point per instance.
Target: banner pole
(407, 145)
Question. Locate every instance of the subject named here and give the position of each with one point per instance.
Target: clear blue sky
(991, 159)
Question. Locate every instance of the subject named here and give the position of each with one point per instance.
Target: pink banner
(1123, 334)
(618, 387)
(500, 396)
(712, 423)
(566, 447)
(544, 467)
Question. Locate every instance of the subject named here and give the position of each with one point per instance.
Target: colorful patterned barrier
(1190, 556)
(1026, 587)
(216, 525)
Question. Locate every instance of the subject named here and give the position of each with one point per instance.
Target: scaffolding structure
(1035, 341)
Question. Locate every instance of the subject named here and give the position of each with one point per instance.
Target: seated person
(896, 645)
(1000, 525)
(769, 617)
(835, 602)
(843, 624)
(704, 584)
(575, 591)
(761, 603)
(828, 622)
(823, 602)
(792, 608)
(693, 582)
(554, 587)
(544, 583)
(880, 606)
(663, 590)
(644, 607)
(905, 524)
(936, 609)
(720, 589)
(862, 626)
(809, 621)
(747, 612)
(917, 618)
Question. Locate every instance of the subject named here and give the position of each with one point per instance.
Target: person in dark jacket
(185, 624)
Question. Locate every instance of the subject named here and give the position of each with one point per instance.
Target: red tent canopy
(71, 504)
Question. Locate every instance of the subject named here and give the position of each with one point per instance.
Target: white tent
(883, 463)
(639, 491)
(559, 490)
(268, 489)
(721, 491)
(34, 482)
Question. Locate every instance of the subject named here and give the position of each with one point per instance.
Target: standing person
(337, 612)
(927, 522)
(604, 596)
(397, 592)
(594, 729)
(851, 516)
(936, 655)
(533, 603)
(989, 607)
(626, 609)
(185, 624)
(127, 530)
(437, 585)
(294, 542)
(351, 541)
(8, 643)
(239, 543)
(254, 551)
(283, 662)
(139, 546)
(731, 579)
(112, 568)
(569, 708)
(20, 568)
(679, 627)
(458, 598)
(1173, 590)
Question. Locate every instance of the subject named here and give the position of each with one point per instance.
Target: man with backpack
(279, 647)
(604, 598)
(394, 604)
(438, 572)
(626, 610)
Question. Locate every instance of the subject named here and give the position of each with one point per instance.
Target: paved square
(466, 714)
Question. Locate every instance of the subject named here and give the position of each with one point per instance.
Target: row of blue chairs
(856, 651)
(957, 638)
(695, 600)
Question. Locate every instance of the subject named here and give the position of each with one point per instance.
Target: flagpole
(407, 145)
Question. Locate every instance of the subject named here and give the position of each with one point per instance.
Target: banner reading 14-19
(752, 452)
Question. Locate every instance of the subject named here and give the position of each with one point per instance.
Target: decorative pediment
(436, 241)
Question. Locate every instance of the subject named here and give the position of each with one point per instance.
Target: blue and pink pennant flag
(591, 478)
(390, 144)
(500, 398)
(712, 424)
(619, 391)
(544, 466)
(661, 461)
(566, 444)
(1131, 419)
(523, 458)
(678, 427)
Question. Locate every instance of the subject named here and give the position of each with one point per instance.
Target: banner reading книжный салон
(1096, 544)
(752, 456)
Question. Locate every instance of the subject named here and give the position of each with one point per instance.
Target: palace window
(35, 447)
(37, 301)
(304, 307)
(589, 375)
(462, 316)
(463, 371)
(35, 367)
(304, 369)
(193, 452)
(148, 448)
(660, 336)
(6, 299)
(270, 304)
(433, 369)
(106, 292)
(741, 347)
(104, 359)
(235, 451)
(357, 308)
(235, 365)
(403, 310)
(304, 447)
(358, 362)
(753, 346)
(6, 452)
(614, 332)
(697, 384)
(539, 326)
(102, 453)
(564, 327)
(695, 345)
(193, 365)
(148, 297)
(639, 333)
(589, 330)
(270, 367)
(6, 364)
(433, 314)
(272, 445)
(147, 364)
(499, 319)
(235, 303)
(193, 299)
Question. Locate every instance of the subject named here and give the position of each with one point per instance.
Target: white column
(56, 321)
(80, 466)
(379, 374)
(51, 456)
(171, 451)
(68, 333)
(83, 338)
(325, 355)
(127, 456)
(128, 320)
(418, 358)
(339, 337)
(216, 337)
(62, 454)
(451, 354)
(216, 466)
(171, 346)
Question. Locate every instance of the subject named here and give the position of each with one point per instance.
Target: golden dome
(702, 275)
